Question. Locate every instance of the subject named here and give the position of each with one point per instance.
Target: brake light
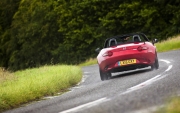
(141, 48)
(108, 53)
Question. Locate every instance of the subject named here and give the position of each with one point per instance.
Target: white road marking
(150, 81)
(139, 86)
(143, 84)
(83, 79)
(168, 62)
(86, 72)
(169, 68)
(90, 104)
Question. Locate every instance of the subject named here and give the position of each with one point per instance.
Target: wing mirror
(154, 41)
(98, 50)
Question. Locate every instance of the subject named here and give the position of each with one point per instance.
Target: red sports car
(126, 52)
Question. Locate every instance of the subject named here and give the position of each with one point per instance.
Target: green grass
(172, 107)
(170, 44)
(33, 84)
(88, 62)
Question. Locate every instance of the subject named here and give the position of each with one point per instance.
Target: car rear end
(126, 57)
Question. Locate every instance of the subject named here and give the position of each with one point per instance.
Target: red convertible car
(126, 52)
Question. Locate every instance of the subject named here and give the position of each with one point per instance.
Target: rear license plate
(127, 62)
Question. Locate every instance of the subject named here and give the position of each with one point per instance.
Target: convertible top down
(126, 52)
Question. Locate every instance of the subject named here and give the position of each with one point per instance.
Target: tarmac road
(138, 91)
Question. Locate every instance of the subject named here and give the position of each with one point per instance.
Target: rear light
(108, 53)
(141, 48)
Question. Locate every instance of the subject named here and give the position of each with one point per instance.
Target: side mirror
(98, 50)
(154, 41)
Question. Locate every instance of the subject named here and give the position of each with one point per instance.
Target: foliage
(32, 84)
(88, 62)
(172, 43)
(37, 32)
(34, 34)
(7, 10)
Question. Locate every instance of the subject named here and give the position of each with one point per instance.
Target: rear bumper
(143, 59)
(126, 68)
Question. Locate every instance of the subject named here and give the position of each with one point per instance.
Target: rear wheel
(104, 75)
(155, 65)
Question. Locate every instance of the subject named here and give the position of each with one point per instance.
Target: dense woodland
(44, 32)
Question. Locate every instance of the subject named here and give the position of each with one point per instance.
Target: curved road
(127, 92)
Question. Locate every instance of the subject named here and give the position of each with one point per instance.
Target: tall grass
(5, 75)
(31, 84)
(88, 62)
(172, 43)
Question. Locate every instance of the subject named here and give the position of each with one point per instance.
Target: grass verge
(172, 107)
(88, 62)
(32, 84)
(170, 44)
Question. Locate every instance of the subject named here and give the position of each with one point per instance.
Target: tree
(7, 11)
(80, 23)
(39, 32)
(35, 33)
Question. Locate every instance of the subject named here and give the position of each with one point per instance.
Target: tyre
(155, 65)
(104, 75)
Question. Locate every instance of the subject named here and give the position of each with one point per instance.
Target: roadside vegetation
(32, 84)
(45, 32)
(88, 62)
(28, 85)
(172, 107)
(172, 43)
(35, 33)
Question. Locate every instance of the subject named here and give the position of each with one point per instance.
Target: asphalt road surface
(138, 91)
